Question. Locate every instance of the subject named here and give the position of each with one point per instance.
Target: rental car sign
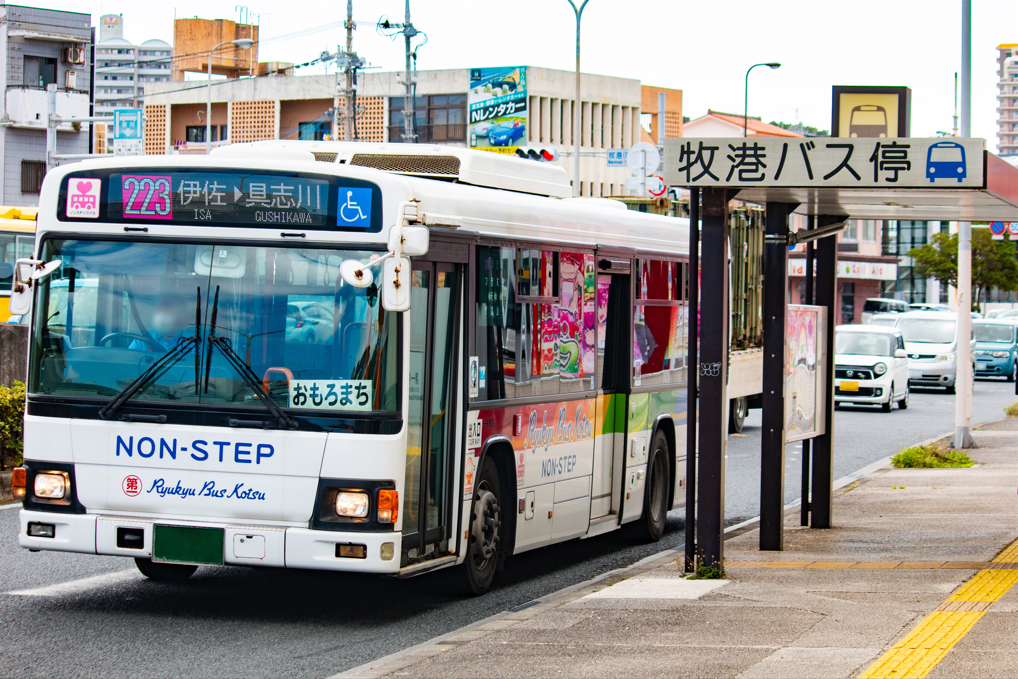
(825, 162)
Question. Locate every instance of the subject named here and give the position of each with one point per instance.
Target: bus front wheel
(478, 570)
(167, 572)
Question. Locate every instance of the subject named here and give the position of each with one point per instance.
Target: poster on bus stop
(805, 350)
(497, 104)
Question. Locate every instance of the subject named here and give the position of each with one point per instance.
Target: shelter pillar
(713, 378)
(772, 446)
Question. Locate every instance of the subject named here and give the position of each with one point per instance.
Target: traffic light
(540, 153)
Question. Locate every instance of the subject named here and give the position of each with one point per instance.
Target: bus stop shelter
(831, 180)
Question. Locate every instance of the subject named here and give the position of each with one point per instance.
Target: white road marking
(82, 585)
(11, 505)
(657, 588)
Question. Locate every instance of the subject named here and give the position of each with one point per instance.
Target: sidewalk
(911, 582)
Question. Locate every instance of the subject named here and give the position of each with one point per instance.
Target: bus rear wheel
(651, 525)
(166, 572)
(478, 570)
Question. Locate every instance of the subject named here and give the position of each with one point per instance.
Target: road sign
(998, 228)
(825, 162)
(617, 157)
(128, 132)
(656, 186)
(643, 159)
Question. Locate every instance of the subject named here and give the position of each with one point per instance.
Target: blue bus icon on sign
(945, 160)
(354, 208)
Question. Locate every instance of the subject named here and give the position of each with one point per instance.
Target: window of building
(32, 172)
(316, 130)
(40, 71)
(848, 303)
(196, 133)
(851, 234)
(868, 230)
(437, 118)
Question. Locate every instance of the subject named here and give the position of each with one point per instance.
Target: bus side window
(497, 320)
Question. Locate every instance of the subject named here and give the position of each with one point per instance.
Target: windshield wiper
(167, 361)
(245, 372)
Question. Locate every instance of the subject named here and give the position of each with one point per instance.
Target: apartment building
(1007, 99)
(42, 47)
(123, 69)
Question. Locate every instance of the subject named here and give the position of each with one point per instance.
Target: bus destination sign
(216, 198)
(224, 198)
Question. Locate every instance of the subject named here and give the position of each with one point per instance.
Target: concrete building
(716, 124)
(865, 269)
(305, 107)
(123, 69)
(41, 47)
(1007, 99)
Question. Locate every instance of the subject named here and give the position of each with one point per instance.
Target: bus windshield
(114, 308)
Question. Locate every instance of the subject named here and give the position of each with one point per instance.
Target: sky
(702, 48)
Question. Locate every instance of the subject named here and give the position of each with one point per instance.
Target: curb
(6, 479)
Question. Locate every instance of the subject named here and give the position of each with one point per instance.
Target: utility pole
(963, 372)
(577, 105)
(351, 58)
(409, 134)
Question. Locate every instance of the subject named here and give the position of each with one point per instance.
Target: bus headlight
(880, 368)
(50, 486)
(352, 504)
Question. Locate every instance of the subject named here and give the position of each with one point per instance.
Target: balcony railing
(433, 134)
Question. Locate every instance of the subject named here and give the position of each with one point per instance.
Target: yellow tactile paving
(988, 585)
(1010, 554)
(924, 647)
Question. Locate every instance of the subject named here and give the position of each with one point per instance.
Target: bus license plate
(188, 544)
(849, 386)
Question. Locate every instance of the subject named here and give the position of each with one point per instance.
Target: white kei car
(871, 366)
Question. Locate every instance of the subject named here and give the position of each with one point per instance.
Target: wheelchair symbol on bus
(354, 208)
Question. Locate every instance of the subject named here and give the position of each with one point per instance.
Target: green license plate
(188, 544)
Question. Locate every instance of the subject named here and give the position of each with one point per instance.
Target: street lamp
(576, 107)
(745, 118)
(242, 43)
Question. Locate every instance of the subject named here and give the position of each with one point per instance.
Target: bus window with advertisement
(260, 358)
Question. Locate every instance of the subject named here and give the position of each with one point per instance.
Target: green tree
(993, 262)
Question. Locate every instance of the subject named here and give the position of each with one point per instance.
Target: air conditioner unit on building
(71, 80)
(74, 55)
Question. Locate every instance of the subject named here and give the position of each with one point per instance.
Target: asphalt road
(83, 615)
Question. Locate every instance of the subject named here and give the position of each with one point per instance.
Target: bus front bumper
(243, 545)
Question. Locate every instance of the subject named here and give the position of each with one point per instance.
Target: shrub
(931, 455)
(12, 423)
(1011, 410)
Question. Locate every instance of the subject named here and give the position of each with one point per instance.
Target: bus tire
(651, 525)
(478, 570)
(166, 572)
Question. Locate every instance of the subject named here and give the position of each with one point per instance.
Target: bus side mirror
(27, 273)
(396, 284)
(409, 240)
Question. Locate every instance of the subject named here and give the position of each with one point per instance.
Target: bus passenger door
(614, 361)
(436, 290)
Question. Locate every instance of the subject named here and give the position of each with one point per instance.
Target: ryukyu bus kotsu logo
(132, 485)
(83, 198)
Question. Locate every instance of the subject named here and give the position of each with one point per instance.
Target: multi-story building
(42, 47)
(1007, 99)
(308, 107)
(123, 69)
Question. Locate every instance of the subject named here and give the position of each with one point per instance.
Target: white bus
(351, 357)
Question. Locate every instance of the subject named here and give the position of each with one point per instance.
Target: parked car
(880, 305)
(870, 366)
(996, 348)
(932, 345)
(1007, 313)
